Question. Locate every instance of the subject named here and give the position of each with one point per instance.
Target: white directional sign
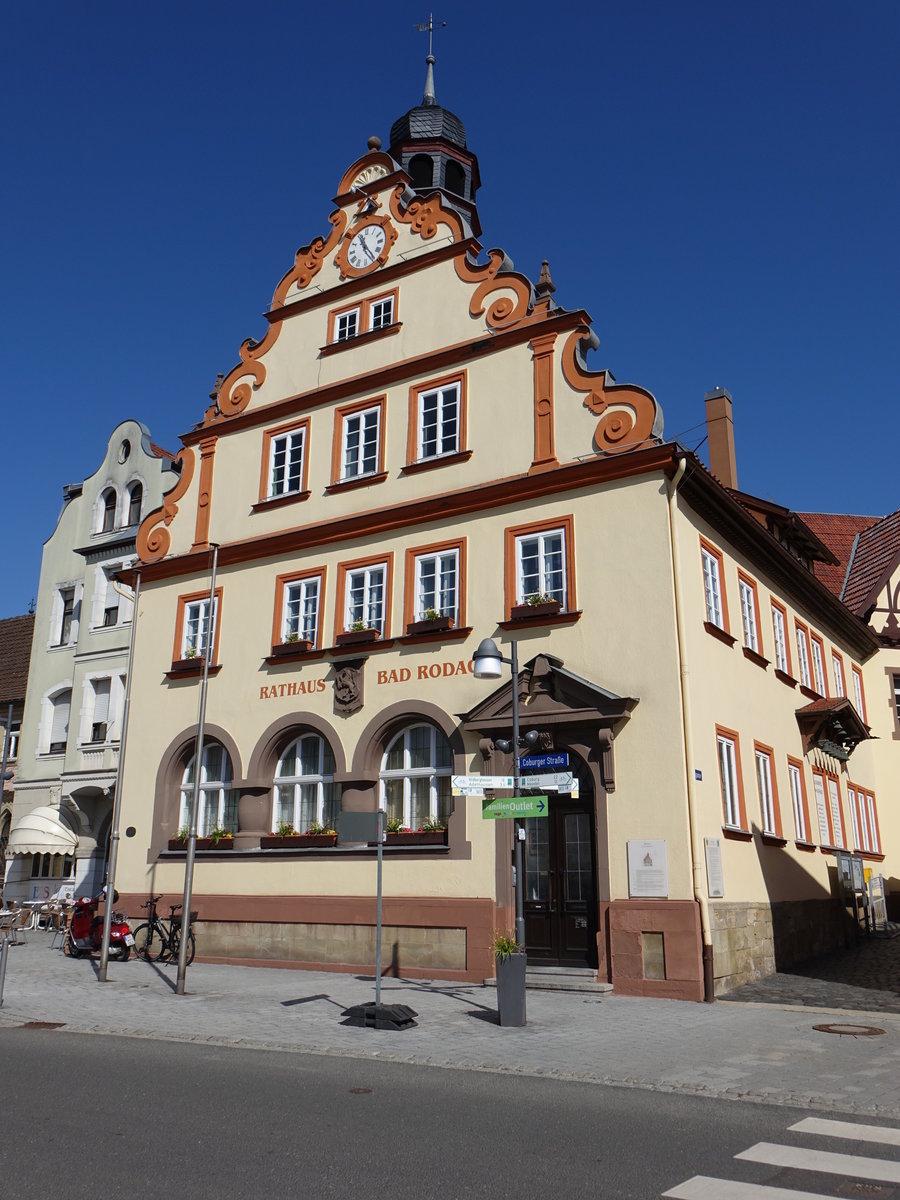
(558, 781)
(474, 785)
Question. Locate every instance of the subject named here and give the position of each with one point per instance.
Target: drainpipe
(696, 857)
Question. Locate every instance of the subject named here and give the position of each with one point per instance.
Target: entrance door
(560, 885)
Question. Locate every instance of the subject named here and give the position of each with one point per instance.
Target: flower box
(418, 837)
(353, 636)
(436, 625)
(525, 612)
(297, 841)
(203, 843)
(301, 646)
(177, 844)
(187, 664)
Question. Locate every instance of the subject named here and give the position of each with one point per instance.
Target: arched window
(217, 801)
(455, 178)
(304, 788)
(108, 523)
(415, 776)
(421, 171)
(135, 499)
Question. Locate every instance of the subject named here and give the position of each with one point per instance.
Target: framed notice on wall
(715, 877)
(648, 868)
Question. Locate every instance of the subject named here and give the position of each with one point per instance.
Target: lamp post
(487, 661)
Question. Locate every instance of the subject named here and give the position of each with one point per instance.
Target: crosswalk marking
(853, 1165)
(702, 1187)
(846, 1129)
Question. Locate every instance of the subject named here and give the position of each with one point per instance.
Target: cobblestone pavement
(865, 976)
(763, 1053)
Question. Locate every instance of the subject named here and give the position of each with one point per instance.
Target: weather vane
(429, 29)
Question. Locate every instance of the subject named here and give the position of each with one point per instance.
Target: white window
(796, 782)
(66, 605)
(347, 325)
(61, 706)
(360, 443)
(300, 611)
(305, 791)
(541, 566)
(12, 743)
(712, 588)
(286, 462)
(858, 693)
(196, 634)
(834, 801)
(439, 421)
(364, 600)
(781, 658)
(818, 663)
(803, 657)
(415, 777)
(99, 724)
(381, 313)
(729, 780)
(837, 668)
(821, 809)
(766, 795)
(748, 615)
(867, 807)
(217, 800)
(897, 696)
(437, 585)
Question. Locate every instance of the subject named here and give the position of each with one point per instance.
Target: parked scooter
(86, 930)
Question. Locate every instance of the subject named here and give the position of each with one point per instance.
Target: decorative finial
(374, 142)
(428, 98)
(545, 285)
(217, 387)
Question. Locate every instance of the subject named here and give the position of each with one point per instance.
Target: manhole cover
(43, 1025)
(851, 1030)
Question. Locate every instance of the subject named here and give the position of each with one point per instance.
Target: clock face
(365, 247)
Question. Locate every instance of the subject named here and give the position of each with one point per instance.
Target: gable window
(192, 629)
(108, 520)
(728, 749)
(415, 777)
(368, 316)
(381, 313)
(67, 617)
(305, 791)
(347, 325)
(135, 500)
(297, 599)
(779, 626)
(768, 793)
(716, 610)
(61, 707)
(749, 621)
(798, 800)
(217, 801)
(364, 598)
(436, 585)
(837, 669)
(803, 655)
(858, 693)
(818, 663)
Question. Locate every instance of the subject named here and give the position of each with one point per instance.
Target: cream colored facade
(540, 470)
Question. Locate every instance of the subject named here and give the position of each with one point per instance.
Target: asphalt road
(105, 1117)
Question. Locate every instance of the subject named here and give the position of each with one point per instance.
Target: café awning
(41, 832)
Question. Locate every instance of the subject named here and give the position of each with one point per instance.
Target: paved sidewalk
(736, 1051)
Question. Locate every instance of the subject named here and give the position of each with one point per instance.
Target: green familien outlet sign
(514, 806)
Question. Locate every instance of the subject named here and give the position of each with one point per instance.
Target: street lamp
(487, 664)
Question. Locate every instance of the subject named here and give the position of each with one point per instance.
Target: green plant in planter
(183, 833)
(190, 652)
(395, 825)
(219, 834)
(358, 627)
(290, 638)
(316, 829)
(504, 944)
(432, 825)
(539, 598)
(284, 829)
(432, 614)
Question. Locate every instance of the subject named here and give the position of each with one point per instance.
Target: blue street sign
(543, 762)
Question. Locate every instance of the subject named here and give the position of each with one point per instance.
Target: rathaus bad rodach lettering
(369, 527)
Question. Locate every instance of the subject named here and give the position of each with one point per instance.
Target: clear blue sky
(717, 184)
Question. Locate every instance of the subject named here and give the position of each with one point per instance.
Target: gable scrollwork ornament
(496, 275)
(153, 538)
(629, 416)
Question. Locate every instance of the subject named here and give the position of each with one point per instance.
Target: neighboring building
(69, 744)
(414, 457)
(15, 650)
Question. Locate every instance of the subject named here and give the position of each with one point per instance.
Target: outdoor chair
(21, 923)
(7, 922)
(60, 921)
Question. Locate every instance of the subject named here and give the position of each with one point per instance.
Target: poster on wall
(648, 868)
(715, 877)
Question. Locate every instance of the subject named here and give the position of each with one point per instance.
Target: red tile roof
(160, 451)
(15, 654)
(838, 531)
(877, 550)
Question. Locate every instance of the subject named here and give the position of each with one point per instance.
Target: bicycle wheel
(176, 945)
(147, 943)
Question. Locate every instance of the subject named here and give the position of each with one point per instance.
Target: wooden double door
(561, 884)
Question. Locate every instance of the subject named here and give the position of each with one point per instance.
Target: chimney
(720, 434)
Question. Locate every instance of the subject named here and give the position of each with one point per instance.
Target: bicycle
(156, 941)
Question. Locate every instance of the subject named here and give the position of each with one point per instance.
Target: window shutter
(101, 700)
(59, 727)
